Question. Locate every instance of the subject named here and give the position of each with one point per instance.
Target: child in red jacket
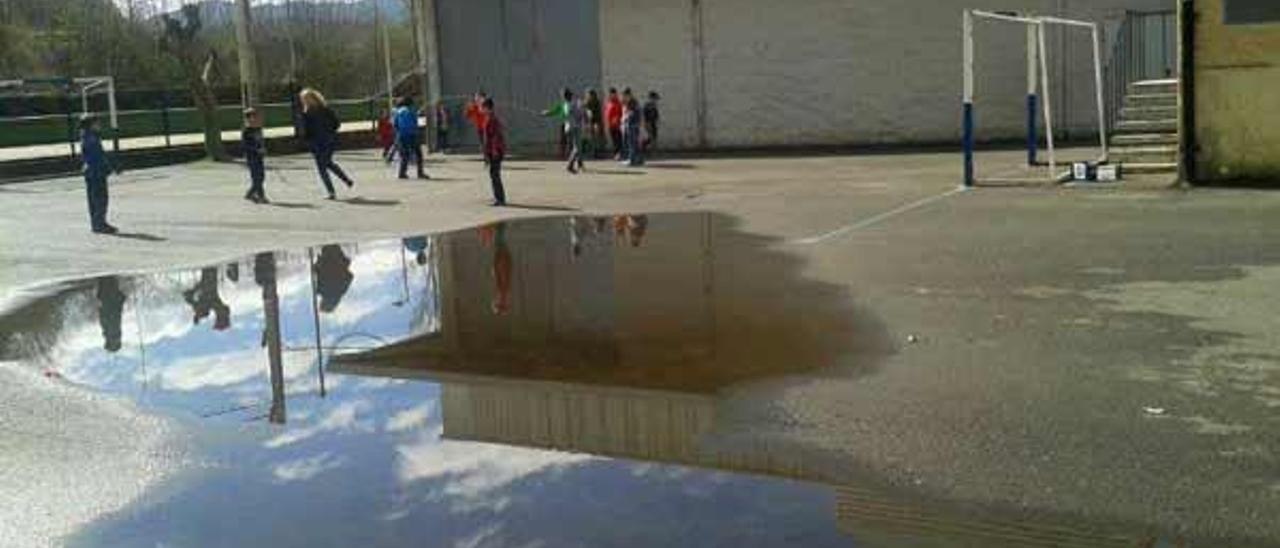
(495, 150)
(613, 121)
(386, 135)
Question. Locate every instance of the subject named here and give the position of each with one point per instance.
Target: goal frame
(84, 86)
(1038, 90)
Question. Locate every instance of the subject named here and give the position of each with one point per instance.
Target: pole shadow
(615, 172)
(292, 205)
(536, 207)
(362, 201)
(140, 236)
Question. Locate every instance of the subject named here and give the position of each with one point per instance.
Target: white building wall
(840, 72)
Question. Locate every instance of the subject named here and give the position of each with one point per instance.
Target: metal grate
(1145, 48)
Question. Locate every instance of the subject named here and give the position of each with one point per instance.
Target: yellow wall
(1237, 85)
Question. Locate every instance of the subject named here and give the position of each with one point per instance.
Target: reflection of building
(608, 348)
(623, 352)
(667, 315)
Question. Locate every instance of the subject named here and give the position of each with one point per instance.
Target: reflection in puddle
(346, 388)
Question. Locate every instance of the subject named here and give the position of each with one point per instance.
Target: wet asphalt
(1104, 359)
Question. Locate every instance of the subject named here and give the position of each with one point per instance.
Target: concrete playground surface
(1102, 354)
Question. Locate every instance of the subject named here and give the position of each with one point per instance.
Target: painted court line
(869, 221)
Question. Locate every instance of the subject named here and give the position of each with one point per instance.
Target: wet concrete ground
(1037, 366)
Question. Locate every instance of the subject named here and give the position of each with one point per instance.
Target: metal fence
(1145, 48)
(161, 124)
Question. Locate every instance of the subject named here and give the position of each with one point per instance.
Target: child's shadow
(292, 205)
(140, 236)
(362, 201)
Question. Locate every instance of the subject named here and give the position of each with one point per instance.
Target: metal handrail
(1130, 60)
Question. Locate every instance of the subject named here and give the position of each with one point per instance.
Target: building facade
(1236, 60)
(762, 73)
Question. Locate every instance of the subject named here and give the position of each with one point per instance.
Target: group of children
(587, 125)
(631, 128)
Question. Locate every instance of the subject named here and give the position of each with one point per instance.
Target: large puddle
(565, 381)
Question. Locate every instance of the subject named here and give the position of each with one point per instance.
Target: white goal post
(82, 86)
(1037, 88)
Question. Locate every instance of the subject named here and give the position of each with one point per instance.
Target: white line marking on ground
(869, 221)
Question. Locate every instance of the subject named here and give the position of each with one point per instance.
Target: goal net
(77, 93)
(1041, 166)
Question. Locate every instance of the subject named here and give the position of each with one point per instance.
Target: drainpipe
(1187, 97)
(699, 72)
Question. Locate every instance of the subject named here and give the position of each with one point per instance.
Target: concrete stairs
(1146, 137)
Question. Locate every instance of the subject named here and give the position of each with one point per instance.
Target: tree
(180, 39)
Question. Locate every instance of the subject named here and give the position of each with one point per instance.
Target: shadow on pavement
(141, 236)
(615, 172)
(371, 202)
(292, 205)
(541, 207)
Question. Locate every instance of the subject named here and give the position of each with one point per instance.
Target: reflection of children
(110, 309)
(496, 235)
(204, 298)
(583, 231)
(632, 227)
(638, 226)
(255, 154)
(418, 246)
(333, 277)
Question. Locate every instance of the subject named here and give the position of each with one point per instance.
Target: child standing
(96, 169)
(442, 127)
(475, 113)
(495, 150)
(631, 153)
(651, 116)
(255, 152)
(613, 121)
(595, 121)
(386, 135)
(572, 119)
(407, 134)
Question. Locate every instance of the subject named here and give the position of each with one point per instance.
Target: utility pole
(248, 62)
(428, 56)
(293, 50)
(381, 25)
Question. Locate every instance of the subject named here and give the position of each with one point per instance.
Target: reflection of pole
(434, 278)
(315, 315)
(404, 280)
(142, 345)
(265, 273)
(709, 277)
